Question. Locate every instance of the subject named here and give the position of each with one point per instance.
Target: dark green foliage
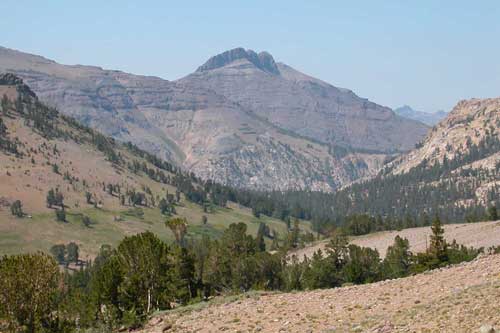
(362, 265)
(55, 168)
(261, 232)
(143, 275)
(438, 246)
(6, 144)
(492, 213)
(105, 145)
(397, 260)
(5, 104)
(17, 208)
(88, 197)
(55, 198)
(86, 221)
(28, 290)
(61, 215)
(73, 252)
(59, 253)
(147, 274)
(3, 129)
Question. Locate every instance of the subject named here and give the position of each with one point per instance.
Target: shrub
(17, 209)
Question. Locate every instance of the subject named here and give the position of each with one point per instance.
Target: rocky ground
(480, 234)
(462, 298)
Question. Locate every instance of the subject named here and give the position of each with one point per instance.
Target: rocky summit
(241, 119)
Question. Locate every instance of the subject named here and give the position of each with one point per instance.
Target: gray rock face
(266, 131)
(305, 105)
(264, 61)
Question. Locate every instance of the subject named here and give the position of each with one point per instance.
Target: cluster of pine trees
(123, 286)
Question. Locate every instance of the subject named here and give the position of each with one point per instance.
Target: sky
(427, 54)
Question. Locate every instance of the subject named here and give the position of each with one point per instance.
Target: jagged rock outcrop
(263, 60)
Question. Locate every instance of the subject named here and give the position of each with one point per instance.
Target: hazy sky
(428, 54)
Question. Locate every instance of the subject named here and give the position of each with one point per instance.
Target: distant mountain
(454, 172)
(430, 119)
(241, 119)
(304, 105)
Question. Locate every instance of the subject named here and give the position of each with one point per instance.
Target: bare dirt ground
(461, 298)
(481, 234)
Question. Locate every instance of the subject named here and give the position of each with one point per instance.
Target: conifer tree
(438, 246)
(17, 208)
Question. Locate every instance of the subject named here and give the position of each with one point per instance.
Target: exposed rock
(393, 308)
(167, 327)
(241, 119)
(471, 124)
(487, 329)
(263, 60)
(305, 105)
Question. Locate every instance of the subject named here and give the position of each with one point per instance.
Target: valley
(68, 160)
(224, 123)
(243, 197)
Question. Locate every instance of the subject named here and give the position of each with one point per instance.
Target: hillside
(269, 131)
(453, 172)
(479, 234)
(461, 298)
(469, 124)
(427, 118)
(41, 149)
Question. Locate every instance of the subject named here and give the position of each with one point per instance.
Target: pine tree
(59, 253)
(51, 198)
(17, 208)
(5, 104)
(397, 260)
(492, 213)
(73, 252)
(261, 244)
(438, 246)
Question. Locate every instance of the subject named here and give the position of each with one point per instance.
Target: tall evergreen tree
(438, 246)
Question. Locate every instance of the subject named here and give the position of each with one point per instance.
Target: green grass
(110, 226)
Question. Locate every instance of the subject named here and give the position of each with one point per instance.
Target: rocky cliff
(240, 119)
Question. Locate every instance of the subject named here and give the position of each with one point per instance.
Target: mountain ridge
(221, 138)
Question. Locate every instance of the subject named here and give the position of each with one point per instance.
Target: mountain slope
(430, 119)
(206, 132)
(477, 235)
(472, 123)
(454, 173)
(41, 150)
(304, 105)
(442, 300)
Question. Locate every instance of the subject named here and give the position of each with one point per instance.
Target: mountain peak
(262, 60)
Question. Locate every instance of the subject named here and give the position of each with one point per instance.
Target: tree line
(126, 284)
